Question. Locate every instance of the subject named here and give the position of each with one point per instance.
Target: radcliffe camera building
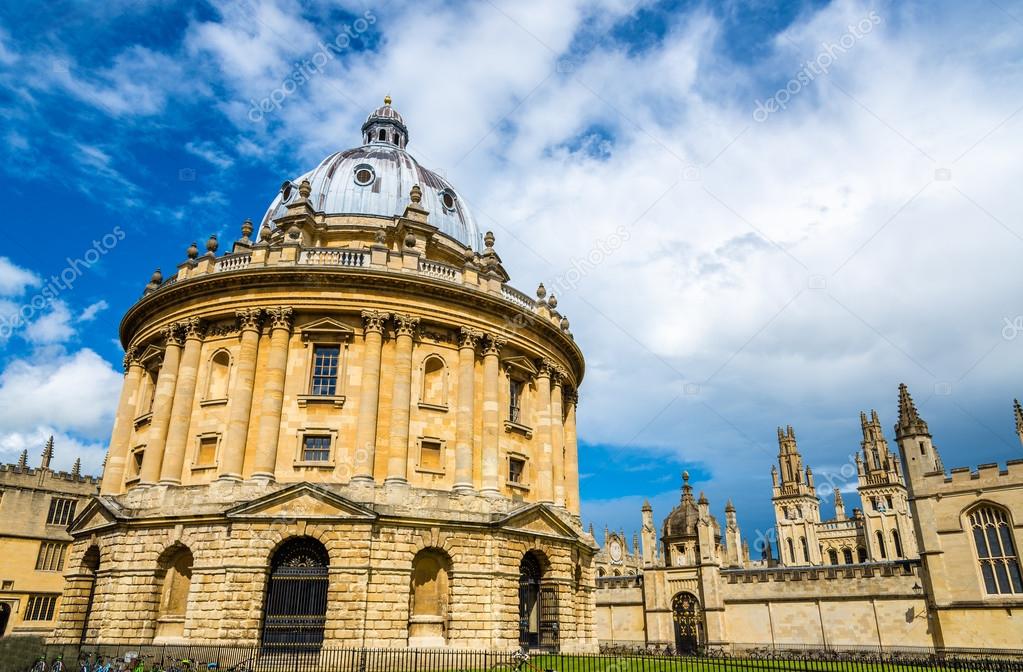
(348, 429)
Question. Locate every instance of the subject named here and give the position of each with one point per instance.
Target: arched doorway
(688, 618)
(90, 566)
(5, 615)
(296, 596)
(538, 606)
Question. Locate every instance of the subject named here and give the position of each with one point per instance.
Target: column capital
(373, 320)
(281, 317)
(405, 324)
(469, 338)
(171, 334)
(193, 328)
(571, 397)
(494, 344)
(131, 358)
(546, 368)
(249, 319)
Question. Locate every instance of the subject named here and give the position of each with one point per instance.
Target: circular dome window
(447, 199)
(364, 175)
(286, 191)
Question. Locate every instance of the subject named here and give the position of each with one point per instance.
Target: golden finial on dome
(387, 100)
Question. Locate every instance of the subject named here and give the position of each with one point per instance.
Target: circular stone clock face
(615, 549)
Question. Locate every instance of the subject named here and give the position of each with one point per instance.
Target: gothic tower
(919, 455)
(888, 528)
(796, 506)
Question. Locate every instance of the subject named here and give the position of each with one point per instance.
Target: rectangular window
(516, 469)
(429, 455)
(62, 511)
(40, 607)
(136, 463)
(326, 359)
(207, 451)
(51, 557)
(7, 585)
(515, 401)
(316, 448)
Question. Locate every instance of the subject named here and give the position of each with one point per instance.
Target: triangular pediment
(538, 519)
(303, 501)
(326, 328)
(521, 364)
(96, 515)
(151, 354)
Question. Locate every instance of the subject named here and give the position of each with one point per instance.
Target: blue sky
(725, 270)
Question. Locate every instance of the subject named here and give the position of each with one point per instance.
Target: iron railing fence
(204, 657)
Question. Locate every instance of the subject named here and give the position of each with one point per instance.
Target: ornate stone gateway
(296, 596)
(538, 608)
(688, 618)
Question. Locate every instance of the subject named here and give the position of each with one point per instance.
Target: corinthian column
(181, 409)
(491, 414)
(468, 339)
(156, 438)
(545, 465)
(273, 394)
(571, 454)
(113, 473)
(401, 399)
(366, 426)
(557, 439)
(241, 396)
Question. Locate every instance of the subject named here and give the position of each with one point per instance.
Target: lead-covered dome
(375, 180)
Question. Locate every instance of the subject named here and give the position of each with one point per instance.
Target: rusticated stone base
(371, 535)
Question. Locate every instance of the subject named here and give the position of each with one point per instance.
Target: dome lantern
(385, 126)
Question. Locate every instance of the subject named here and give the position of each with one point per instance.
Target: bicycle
(519, 663)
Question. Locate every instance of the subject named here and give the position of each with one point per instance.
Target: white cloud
(92, 310)
(51, 327)
(74, 393)
(14, 280)
(209, 152)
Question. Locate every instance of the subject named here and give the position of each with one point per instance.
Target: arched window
(832, 556)
(618, 572)
(896, 544)
(434, 390)
(601, 572)
(176, 565)
(220, 372)
(383, 134)
(880, 544)
(805, 549)
(429, 599)
(90, 565)
(792, 552)
(847, 556)
(861, 554)
(996, 552)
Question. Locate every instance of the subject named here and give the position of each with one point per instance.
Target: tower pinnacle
(910, 423)
(47, 453)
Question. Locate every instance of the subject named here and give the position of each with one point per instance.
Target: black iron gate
(538, 608)
(296, 597)
(685, 612)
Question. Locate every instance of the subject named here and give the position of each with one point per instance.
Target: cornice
(371, 280)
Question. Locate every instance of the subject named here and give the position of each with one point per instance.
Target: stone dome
(682, 520)
(375, 179)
